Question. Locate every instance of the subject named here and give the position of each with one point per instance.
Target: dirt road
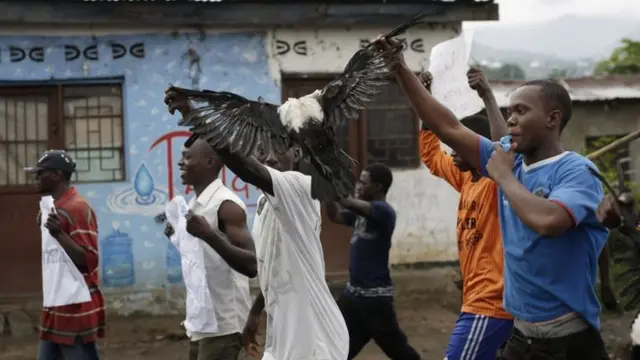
(426, 303)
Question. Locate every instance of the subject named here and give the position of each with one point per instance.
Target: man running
(70, 332)
(218, 217)
(483, 325)
(303, 320)
(547, 203)
(367, 302)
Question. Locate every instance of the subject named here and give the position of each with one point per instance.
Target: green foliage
(559, 73)
(607, 165)
(606, 162)
(504, 72)
(625, 59)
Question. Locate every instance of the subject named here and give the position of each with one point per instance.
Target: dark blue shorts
(477, 337)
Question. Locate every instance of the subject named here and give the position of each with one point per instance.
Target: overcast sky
(523, 11)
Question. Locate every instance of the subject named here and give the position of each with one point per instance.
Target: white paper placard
(62, 282)
(448, 65)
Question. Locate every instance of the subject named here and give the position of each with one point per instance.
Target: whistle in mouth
(505, 142)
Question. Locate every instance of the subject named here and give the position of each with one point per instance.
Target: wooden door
(335, 238)
(27, 128)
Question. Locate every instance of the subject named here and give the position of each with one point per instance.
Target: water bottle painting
(174, 264)
(117, 260)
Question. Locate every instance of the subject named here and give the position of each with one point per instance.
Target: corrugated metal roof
(591, 88)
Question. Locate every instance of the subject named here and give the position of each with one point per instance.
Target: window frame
(358, 147)
(54, 90)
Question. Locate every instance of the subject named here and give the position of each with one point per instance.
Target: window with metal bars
(386, 132)
(392, 129)
(86, 120)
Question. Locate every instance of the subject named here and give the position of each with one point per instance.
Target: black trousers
(583, 345)
(375, 318)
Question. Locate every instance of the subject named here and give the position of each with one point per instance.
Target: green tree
(607, 165)
(625, 59)
(504, 72)
(511, 72)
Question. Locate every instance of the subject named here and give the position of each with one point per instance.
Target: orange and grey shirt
(478, 231)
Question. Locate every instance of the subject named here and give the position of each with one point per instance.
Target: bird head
(296, 112)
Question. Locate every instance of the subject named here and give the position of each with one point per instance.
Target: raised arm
(248, 169)
(436, 116)
(437, 161)
(479, 83)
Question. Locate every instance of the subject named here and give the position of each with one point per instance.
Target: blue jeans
(78, 351)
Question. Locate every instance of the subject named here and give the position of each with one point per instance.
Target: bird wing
(367, 71)
(228, 120)
(330, 168)
(342, 99)
(402, 28)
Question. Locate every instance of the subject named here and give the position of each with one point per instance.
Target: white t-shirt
(303, 319)
(229, 289)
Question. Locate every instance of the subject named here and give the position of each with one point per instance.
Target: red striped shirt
(62, 324)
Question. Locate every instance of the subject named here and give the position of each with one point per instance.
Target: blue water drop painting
(174, 265)
(117, 260)
(143, 186)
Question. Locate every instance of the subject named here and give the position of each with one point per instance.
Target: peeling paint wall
(322, 51)
(426, 205)
(426, 208)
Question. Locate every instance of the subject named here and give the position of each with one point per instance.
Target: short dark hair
(380, 174)
(479, 124)
(555, 97)
(66, 175)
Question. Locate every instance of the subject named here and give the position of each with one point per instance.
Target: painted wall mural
(134, 251)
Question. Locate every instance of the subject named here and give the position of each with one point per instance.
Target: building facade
(82, 81)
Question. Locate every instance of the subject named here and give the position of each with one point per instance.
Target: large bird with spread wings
(227, 120)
